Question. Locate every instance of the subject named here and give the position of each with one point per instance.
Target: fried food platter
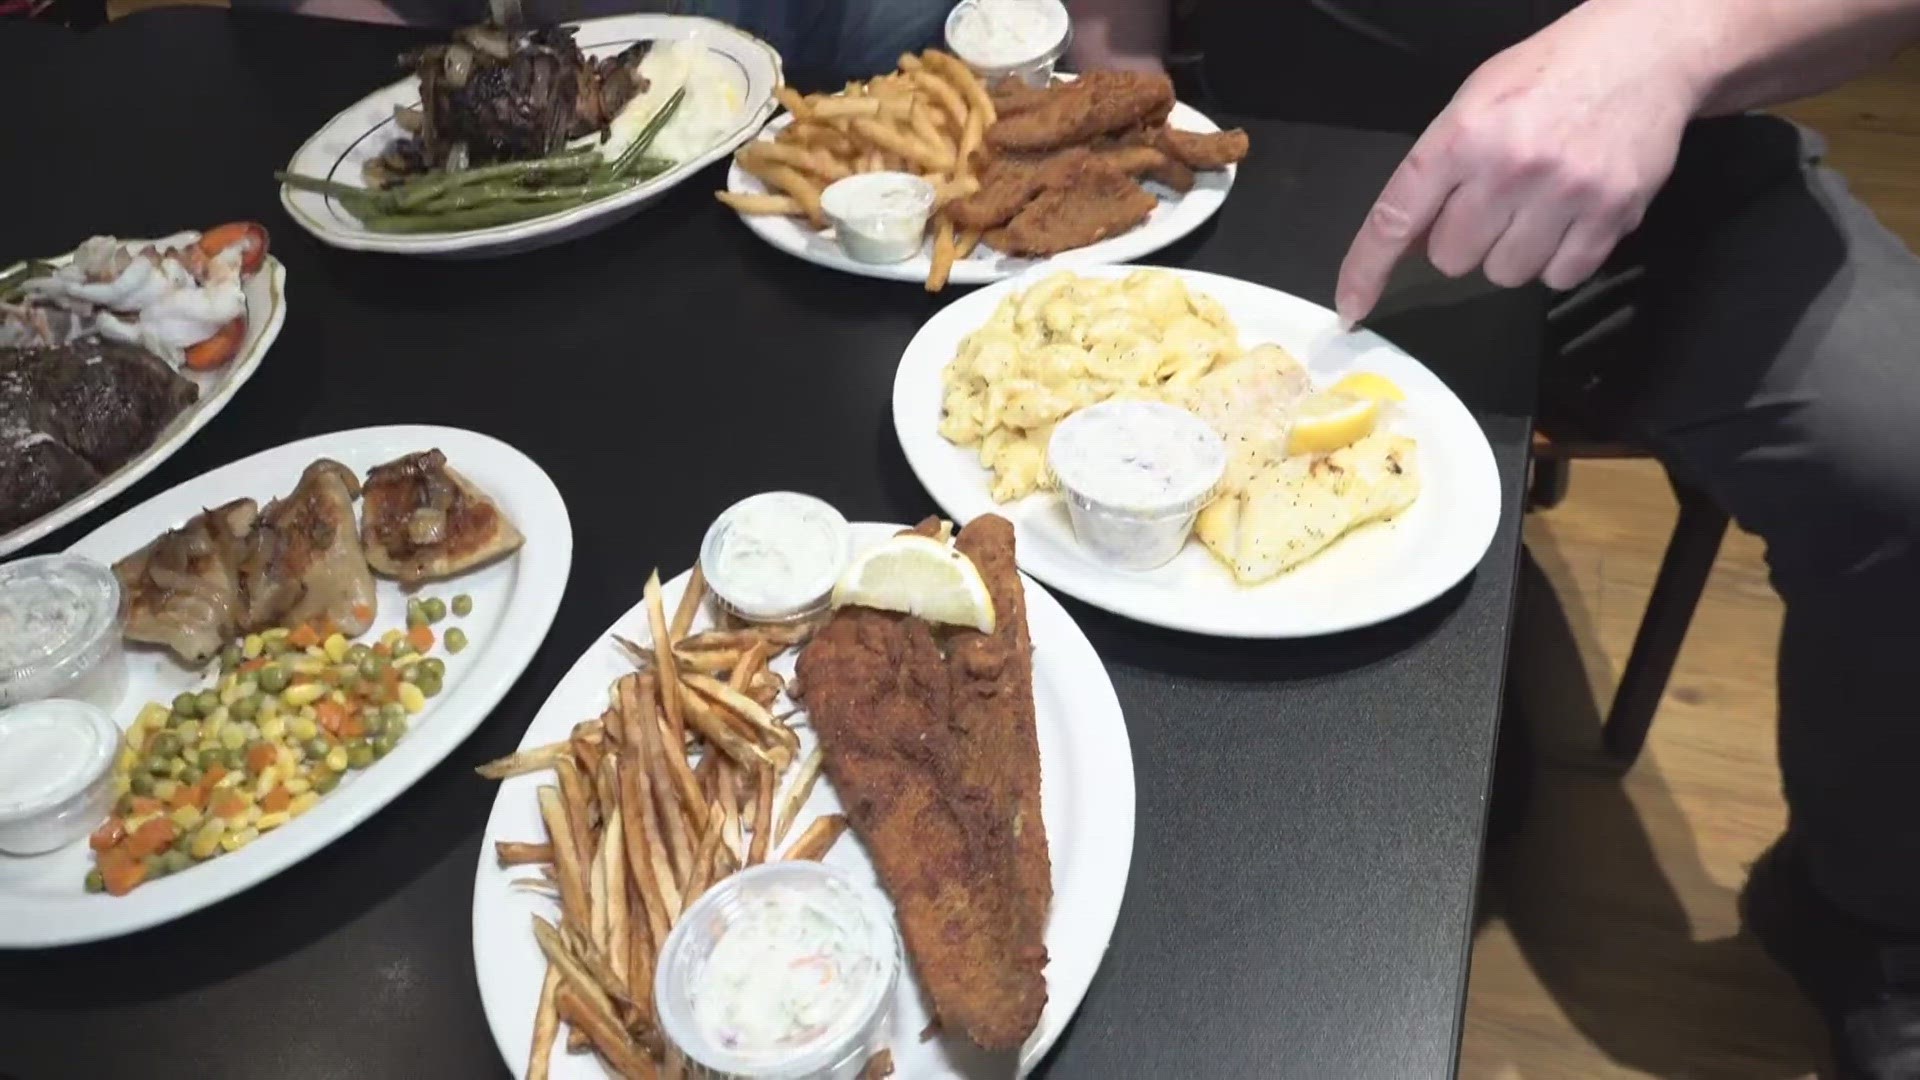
(1087, 807)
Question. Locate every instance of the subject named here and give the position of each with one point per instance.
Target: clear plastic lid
(59, 617)
(780, 972)
(775, 557)
(51, 751)
(1036, 40)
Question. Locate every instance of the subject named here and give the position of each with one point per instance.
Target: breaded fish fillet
(933, 752)
(1097, 203)
(1095, 104)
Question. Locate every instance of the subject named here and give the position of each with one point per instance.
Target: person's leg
(1779, 323)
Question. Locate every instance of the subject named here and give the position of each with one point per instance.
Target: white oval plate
(1379, 572)
(1175, 217)
(266, 310)
(1086, 797)
(42, 901)
(362, 132)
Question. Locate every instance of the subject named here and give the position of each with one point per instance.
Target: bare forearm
(1749, 54)
(1120, 34)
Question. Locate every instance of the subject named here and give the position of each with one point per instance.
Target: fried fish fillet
(1097, 203)
(1095, 104)
(931, 746)
(1203, 150)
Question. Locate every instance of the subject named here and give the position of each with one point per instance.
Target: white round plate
(1086, 799)
(1175, 217)
(42, 901)
(362, 132)
(266, 309)
(1377, 573)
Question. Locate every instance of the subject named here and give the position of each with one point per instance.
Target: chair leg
(1547, 487)
(1676, 592)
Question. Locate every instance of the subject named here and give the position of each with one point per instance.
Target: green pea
(188, 732)
(463, 605)
(435, 667)
(396, 729)
(190, 775)
(347, 676)
(358, 652)
(186, 706)
(236, 759)
(206, 702)
(436, 609)
(164, 744)
(429, 684)
(373, 722)
(245, 708)
(359, 754)
(95, 882)
(394, 713)
(317, 748)
(272, 678)
(176, 860)
(411, 674)
(181, 841)
(383, 745)
(403, 647)
(155, 866)
(456, 639)
(229, 658)
(416, 612)
(141, 783)
(159, 766)
(372, 666)
(325, 780)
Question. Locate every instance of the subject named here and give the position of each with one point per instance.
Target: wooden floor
(1609, 944)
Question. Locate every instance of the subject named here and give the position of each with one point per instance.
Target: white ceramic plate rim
(1177, 216)
(1102, 843)
(507, 475)
(262, 329)
(1465, 530)
(639, 27)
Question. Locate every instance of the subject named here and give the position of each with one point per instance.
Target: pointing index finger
(1405, 210)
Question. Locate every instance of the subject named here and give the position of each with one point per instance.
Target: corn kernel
(411, 698)
(153, 715)
(228, 684)
(165, 789)
(207, 839)
(250, 648)
(254, 813)
(218, 717)
(405, 663)
(122, 784)
(338, 697)
(310, 667)
(304, 694)
(273, 728)
(267, 782)
(284, 760)
(278, 633)
(337, 759)
(235, 841)
(136, 737)
(176, 766)
(391, 638)
(298, 785)
(302, 803)
(303, 728)
(135, 821)
(188, 731)
(129, 757)
(233, 736)
(231, 780)
(186, 816)
(335, 647)
(270, 822)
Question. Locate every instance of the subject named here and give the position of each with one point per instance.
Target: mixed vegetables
(292, 711)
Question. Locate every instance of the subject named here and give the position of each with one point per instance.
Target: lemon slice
(1329, 420)
(1369, 385)
(918, 575)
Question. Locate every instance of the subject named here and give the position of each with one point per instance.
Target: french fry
(791, 100)
(656, 743)
(741, 748)
(749, 665)
(522, 762)
(737, 640)
(597, 897)
(546, 1025)
(958, 188)
(818, 839)
(703, 858)
(951, 101)
(640, 959)
(579, 797)
(649, 855)
(798, 792)
(663, 647)
(515, 853)
(927, 130)
(962, 78)
(672, 823)
(689, 607)
(732, 843)
(625, 1056)
(761, 205)
(970, 139)
(756, 157)
(553, 942)
(572, 882)
(845, 105)
(964, 242)
(613, 844)
(762, 817)
(735, 702)
(893, 141)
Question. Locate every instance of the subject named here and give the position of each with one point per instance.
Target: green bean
(485, 195)
(481, 217)
(355, 199)
(629, 158)
(463, 605)
(417, 193)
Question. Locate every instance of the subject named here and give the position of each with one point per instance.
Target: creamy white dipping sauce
(60, 631)
(1135, 474)
(776, 556)
(56, 761)
(1006, 33)
(879, 217)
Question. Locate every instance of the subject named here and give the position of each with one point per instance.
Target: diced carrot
(110, 832)
(351, 727)
(276, 800)
(306, 637)
(363, 613)
(182, 796)
(330, 714)
(383, 650)
(121, 874)
(213, 775)
(146, 804)
(229, 804)
(151, 838)
(255, 664)
(390, 684)
(259, 756)
(420, 637)
(197, 794)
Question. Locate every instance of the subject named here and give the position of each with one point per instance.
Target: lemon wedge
(1330, 420)
(1369, 385)
(918, 575)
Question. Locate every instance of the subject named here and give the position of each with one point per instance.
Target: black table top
(1309, 813)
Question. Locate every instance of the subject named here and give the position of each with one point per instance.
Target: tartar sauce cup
(775, 557)
(60, 632)
(1135, 474)
(880, 217)
(56, 773)
(1000, 39)
(785, 971)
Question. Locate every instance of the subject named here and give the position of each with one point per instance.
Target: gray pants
(1762, 330)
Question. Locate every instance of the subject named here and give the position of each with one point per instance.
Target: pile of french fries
(637, 830)
(929, 117)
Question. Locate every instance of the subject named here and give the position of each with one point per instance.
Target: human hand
(1544, 160)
